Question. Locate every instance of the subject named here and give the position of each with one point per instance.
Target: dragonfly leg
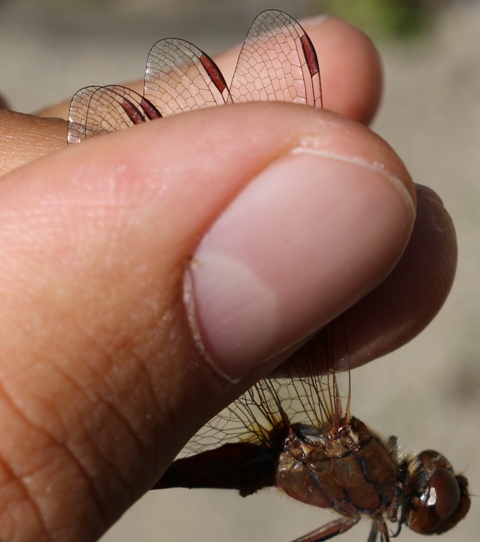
(378, 527)
(329, 530)
(373, 536)
(385, 537)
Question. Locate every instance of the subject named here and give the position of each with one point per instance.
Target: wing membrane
(311, 388)
(180, 77)
(101, 110)
(77, 116)
(277, 63)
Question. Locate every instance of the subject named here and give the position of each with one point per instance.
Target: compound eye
(443, 501)
(445, 493)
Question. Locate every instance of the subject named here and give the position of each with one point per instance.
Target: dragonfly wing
(180, 77)
(101, 110)
(240, 448)
(77, 115)
(277, 63)
(311, 388)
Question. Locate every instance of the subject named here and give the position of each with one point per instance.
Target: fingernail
(315, 20)
(305, 239)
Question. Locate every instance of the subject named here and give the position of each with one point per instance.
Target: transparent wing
(277, 62)
(77, 116)
(311, 388)
(101, 110)
(180, 77)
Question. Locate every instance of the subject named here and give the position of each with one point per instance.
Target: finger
(350, 70)
(391, 331)
(102, 374)
(24, 138)
(408, 300)
(410, 297)
(373, 335)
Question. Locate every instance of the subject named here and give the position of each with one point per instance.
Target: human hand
(102, 379)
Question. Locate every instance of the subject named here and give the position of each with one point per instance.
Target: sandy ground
(428, 392)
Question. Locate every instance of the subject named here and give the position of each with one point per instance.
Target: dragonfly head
(440, 499)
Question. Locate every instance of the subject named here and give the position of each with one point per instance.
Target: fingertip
(286, 257)
(411, 296)
(350, 68)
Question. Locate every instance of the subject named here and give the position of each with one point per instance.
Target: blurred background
(428, 393)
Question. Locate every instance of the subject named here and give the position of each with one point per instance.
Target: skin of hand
(147, 275)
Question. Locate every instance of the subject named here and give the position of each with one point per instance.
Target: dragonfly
(294, 429)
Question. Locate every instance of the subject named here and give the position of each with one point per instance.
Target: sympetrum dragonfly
(290, 430)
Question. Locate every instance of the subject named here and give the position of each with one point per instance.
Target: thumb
(147, 276)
